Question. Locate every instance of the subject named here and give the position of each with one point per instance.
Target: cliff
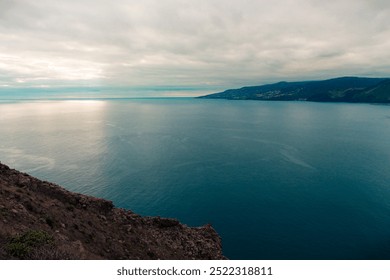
(40, 220)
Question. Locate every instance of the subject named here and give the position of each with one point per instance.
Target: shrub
(49, 221)
(22, 246)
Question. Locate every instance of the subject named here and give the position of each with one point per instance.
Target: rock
(164, 223)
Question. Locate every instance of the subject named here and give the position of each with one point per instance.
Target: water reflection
(46, 139)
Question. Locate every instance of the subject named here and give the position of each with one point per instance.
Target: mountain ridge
(341, 89)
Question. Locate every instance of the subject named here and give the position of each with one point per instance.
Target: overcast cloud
(205, 43)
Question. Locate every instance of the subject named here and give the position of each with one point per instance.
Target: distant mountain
(344, 89)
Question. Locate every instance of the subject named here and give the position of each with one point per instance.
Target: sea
(277, 180)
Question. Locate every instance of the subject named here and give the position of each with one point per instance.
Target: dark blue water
(278, 180)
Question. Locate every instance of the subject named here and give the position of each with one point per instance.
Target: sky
(184, 45)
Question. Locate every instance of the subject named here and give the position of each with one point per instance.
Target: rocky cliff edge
(41, 220)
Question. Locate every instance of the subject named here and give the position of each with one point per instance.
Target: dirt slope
(40, 220)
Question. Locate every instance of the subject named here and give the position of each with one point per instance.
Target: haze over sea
(277, 180)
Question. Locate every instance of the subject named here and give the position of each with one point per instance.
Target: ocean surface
(277, 180)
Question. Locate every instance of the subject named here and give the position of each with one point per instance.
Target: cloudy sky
(207, 44)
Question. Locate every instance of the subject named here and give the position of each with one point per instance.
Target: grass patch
(22, 246)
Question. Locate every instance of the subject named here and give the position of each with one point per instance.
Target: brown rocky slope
(40, 220)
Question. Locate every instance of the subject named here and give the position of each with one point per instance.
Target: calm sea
(277, 180)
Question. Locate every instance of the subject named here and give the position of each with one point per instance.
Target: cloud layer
(205, 43)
